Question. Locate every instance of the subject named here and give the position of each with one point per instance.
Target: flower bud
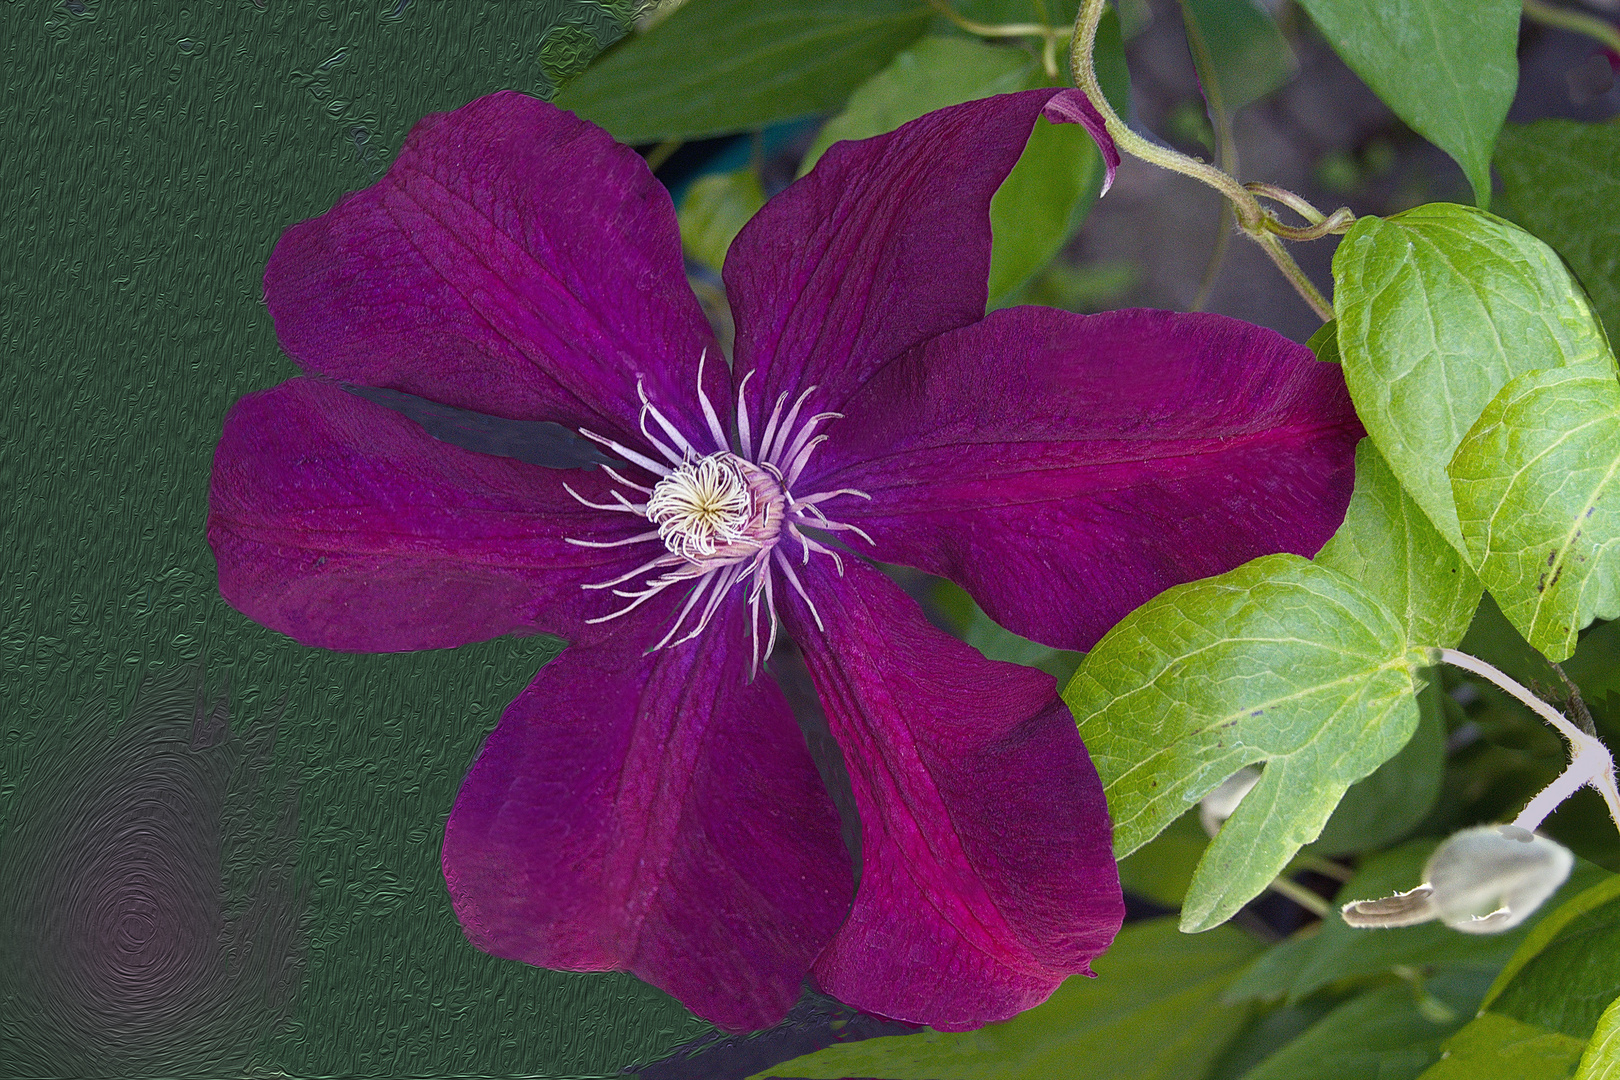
(1481, 881)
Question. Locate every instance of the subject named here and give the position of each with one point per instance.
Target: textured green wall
(153, 153)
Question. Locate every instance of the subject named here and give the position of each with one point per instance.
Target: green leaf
(1601, 1061)
(1280, 661)
(1568, 968)
(1438, 308)
(1495, 1047)
(1047, 194)
(935, 73)
(1537, 484)
(1161, 869)
(1151, 1014)
(1383, 1033)
(714, 210)
(1240, 54)
(1399, 794)
(1305, 963)
(1325, 342)
(1447, 67)
(718, 66)
(995, 641)
(1391, 548)
(1562, 182)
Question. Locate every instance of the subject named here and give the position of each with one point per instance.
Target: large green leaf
(1384, 807)
(1240, 54)
(1151, 1014)
(1050, 190)
(1280, 661)
(1383, 1033)
(717, 66)
(1567, 970)
(1562, 182)
(1496, 1047)
(1388, 545)
(1438, 308)
(1537, 484)
(1447, 67)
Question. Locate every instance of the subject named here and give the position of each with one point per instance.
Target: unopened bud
(1220, 804)
(1481, 881)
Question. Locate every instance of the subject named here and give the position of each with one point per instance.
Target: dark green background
(153, 154)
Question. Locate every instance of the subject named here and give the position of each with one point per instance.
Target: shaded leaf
(1390, 547)
(1496, 1047)
(1438, 308)
(1280, 661)
(1567, 970)
(1562, 182)
(1151, 1014)
(1537, 485)
(1325, 342)
(1161, 869)
(1446, 67)
(1382, 1033)
(714, 210)
(1047, 194)
(1240, 54)
(718, 66)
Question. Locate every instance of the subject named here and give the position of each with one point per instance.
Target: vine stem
(1589, 760)
(1601, 30)
(1252, 218)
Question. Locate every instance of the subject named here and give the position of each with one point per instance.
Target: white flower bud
(1220, 804)
(1481, 881)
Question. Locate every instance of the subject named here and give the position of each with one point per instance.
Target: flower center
(726, 518)
(717, 510)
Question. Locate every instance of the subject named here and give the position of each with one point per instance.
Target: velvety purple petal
(987, 875)
(653, 813)
(1066, 468)
(345, 526)
(884, 244)
(515, 261)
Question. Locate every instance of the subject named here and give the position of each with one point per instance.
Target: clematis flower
(648, 803)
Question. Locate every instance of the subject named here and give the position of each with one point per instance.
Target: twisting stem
(1261, 226)
(1084, 71)
(1589, 759)
(1579, 21)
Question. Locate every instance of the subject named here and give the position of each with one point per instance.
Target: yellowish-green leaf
(1438, 308)
(1280, 661)
(1537, 486)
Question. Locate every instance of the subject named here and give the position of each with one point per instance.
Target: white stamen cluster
(701, 505)
(721, 517)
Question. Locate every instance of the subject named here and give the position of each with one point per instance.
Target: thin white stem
(769, 451)
(1589, 760)
(626, 542)
(768, 436)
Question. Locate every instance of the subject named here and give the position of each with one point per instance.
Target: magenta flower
(648, 802)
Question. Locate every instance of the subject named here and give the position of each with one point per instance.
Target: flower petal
(515, 261)
(987, 874)
(654, 813)
(884, 244)
(1066, 468)
(344, 525)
